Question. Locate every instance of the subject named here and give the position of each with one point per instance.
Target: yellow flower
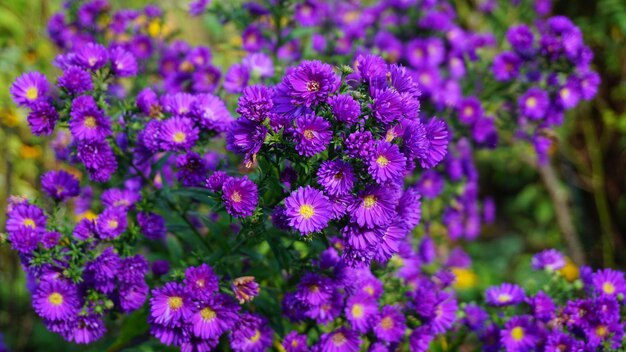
(570, 271)
(88, 215)
(465, 278)
(30, 152)
(8, 117)
(154, 28)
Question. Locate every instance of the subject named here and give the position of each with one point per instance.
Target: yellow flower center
(154, 28)
(313, 288)
(175, 302)
(608, 288)
(256, 336)
(517, 333)
(180, 137)
(357, 310)
(308, 134)
(208, 314)
(469, 111)
(382, 161)
(307, 211)
(564, 93)
(601, 331)
(90, 122)
(418, 53)
(386, 323)
(32, 93)
(369, 201)
(504, 297)
(390, 135)
(112, 224)
(200, 282)
(369, 290)
(531, 102)
(338, 339)
(55, 299)
(236, 197)
(92, 61)
(312, 86)
(338, 176)
(28, 222)
(294, 343)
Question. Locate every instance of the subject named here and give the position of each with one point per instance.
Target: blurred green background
(580, 196)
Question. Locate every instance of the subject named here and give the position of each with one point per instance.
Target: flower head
(240, 196)
(336, 177)
(29, 88)
(245, 288)
(308, 210)
(504, 295)
(56, 300)
(88, 122)
(387, 163)
(60, 185)
(312, 134)
(550, 259)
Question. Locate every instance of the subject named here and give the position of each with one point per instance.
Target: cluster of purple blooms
(590, 320)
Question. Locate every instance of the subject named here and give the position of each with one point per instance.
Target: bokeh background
(579, 199)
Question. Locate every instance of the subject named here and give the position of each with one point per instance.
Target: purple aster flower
(179, 104)
(609, 282)
(160, 267)
(470, 110)
(420, 339)
(252, 333)
(192, 169)
(197, 7)
(148, 102)
(360, 309)
(211, 113)
(409, 208)
(214, 316)
(307, 14)
(123, 63)
(256, 103)
(519, 334)
(215, 182)
(340, 340)
(84, 230)
(390, 241)
(245, 288)
(550, 259)
(91, 56)
(152, 225)
(25, 216)
(387, 105)
(504, 295)
(521, 39)
(389, 46)
(345, 109)
(390, 324)
(314, 289)
(75, 80)
(171, 305)
(88, 122)
(387, 163)
(295, 342)
(123, 198)
(29, 88)
(311, 83)
(135, 268)
(506, 66)
(542, 306)
(236, 78)
(252, 39)
(534, 103)
(558, 342)
(373, 207)
(86, 329)
(312, 134)
(589, 83)
(416, 53)
(246, 138)
(368, 68)
(24, 240)
(259, 64)
(568, 95)
(435, 145)
(111, 223)
(430, 184)
(42, 118)
(475, 317)
(201, 281)
(133, 295)
(336, 177)
(178, 133)
(359, 144)
(102, 271)
(60, 185)
(240, 196)
(56, 300)
(308, 210)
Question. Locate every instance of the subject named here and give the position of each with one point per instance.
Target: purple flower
(521, 39)
(550, 259)
(160, 267)
(295, 342)
(360, 309)
(179, 104)
(368, 68)
(506, 66)
(116, 197)
(420, 339)
(178, 133)
(25, 216)
(88, 122)
(568, 95)
(609, 282)
(75, 80)
(29, 88)
(534, 103)
(197, 7)
(91, 56)
(246, 138)
(259, 64)
(123, 63)
(42, 118)
(387, 163)
(336, 177)
(56, 300)
(152, 225)
(214, 316)
(201, 281)
(133, 295)
(470, 110)
(236, 78)
(430, 184)
(519, 334)
(85, 329)
(558, 342)
(504, 295)
(171, 305)
(245, 288)
(340, 340)
(307, 14)
(312, 134)
(387, 105)
(252, 39)
(475, 317)
(215, 182)
(192, 169)
(373, 207)
(409, 208)
(60, 185)
(390, 324)
(308, 210)
(542, 306)
(84, 230)
(345, 109)
(24, 240)
(256, 103)
(251, 333)
(111, 223)
(240, 196)
(310, 83)
(359, 144)
(211, 113)
(589, 83)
